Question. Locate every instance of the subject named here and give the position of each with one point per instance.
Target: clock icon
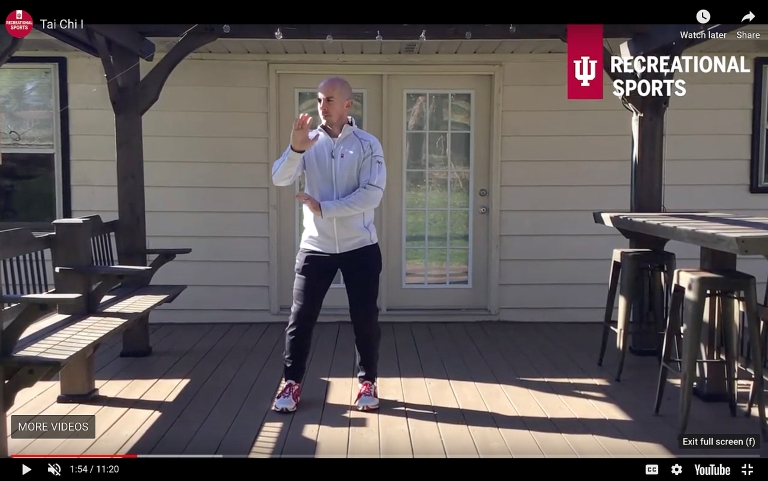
(702, 16)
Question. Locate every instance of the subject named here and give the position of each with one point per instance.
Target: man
(344, 182)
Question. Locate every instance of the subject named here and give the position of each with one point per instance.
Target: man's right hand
(300, 140)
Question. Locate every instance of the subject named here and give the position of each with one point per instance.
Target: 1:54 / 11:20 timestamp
(95, 468)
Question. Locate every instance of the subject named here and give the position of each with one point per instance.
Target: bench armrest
(170, 252)
(42, 299)
(111, 271)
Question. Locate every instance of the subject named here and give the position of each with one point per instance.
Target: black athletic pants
(315, 272)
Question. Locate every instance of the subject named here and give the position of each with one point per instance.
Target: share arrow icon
(750, 16)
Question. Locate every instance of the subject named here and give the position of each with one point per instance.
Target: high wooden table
(721, 238)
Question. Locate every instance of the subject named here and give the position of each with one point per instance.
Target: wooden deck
(456, 390)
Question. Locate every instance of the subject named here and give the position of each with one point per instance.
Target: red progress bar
(74, 456)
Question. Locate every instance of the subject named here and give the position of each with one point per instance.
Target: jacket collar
(350, 127)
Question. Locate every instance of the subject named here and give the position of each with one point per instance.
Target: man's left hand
(313, 204)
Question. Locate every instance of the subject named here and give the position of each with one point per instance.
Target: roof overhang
(134, 37)
(661, 36)
(361, 39)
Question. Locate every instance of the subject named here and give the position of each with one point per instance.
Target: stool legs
(731, 342)
(627, 290)
(668, 289)
(764, 346)
(753, 324)
(693, 313)
(613, 284)
(628, 268)
(671, 334)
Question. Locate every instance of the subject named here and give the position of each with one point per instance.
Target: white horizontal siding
(562, 160)
(206, 172)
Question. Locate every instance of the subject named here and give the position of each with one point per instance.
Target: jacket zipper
(335, 193)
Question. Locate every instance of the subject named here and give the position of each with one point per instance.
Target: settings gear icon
(677, 469)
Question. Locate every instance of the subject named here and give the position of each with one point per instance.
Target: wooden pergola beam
(663, 36)
(8, 46)
(77, 38)
(126, 37)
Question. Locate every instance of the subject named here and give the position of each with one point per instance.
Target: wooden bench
(104, 254)
(90, 302)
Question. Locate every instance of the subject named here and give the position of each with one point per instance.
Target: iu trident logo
(584, 67)
(585, 70)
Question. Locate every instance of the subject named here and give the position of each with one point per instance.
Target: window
(306, 103)
(759, 164)
(34, 143)
(438, 166)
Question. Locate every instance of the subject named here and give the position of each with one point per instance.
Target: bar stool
(692, 287)
(628, 267)
(764, 346)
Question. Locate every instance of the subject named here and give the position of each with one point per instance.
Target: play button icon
(24, 469)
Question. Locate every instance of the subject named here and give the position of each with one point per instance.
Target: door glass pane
(438, 154)
(27, 107)
(306, 103)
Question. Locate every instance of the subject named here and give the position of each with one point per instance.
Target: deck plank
(184, 393)
(426, 439)
(184, 428)
(518, 439)
(486, 389)
(141, 375)
(520, 391)
(208, 437)
(246, 434)
(456, 434)
(301, 437)
(151, 403)
(333, 434)
(485, 433)
(394, 434)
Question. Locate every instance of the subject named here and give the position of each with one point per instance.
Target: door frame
(331, 65)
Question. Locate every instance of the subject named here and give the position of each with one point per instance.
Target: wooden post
(131, 97)
(72, 247)
(646, 195)
(132, 231)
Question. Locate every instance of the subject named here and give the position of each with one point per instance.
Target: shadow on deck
(469, 389)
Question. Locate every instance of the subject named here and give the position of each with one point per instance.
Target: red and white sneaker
(367, 396)
(288, 398)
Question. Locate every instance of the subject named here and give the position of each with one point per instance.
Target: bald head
(334, 100)
(337, 85)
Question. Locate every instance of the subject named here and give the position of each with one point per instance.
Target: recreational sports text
(669, 65)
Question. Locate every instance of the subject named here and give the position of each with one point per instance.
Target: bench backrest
(25, 263)
(103, 246)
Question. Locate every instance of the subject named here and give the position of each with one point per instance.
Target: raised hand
(300, 140)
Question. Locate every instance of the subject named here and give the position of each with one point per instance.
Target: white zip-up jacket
(347, 175)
